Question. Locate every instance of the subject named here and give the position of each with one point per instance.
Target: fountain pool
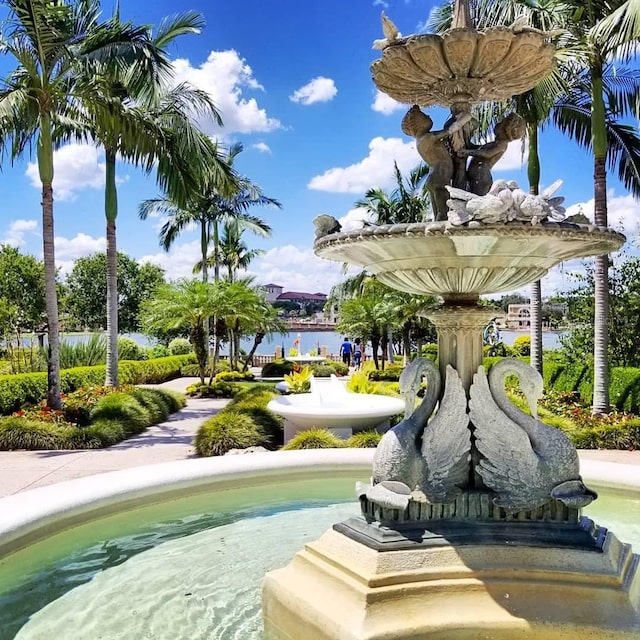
(179, 550)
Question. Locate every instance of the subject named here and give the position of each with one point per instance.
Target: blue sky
(292, 82)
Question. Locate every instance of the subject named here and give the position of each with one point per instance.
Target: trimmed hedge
(314, 439)
(114, 417)
(277, 368)
(23, 389)
(225, 431)
(364, 440)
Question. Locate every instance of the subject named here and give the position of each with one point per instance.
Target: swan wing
(446, 444)
(509, 465)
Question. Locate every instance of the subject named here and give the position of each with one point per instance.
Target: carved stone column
(460, 328)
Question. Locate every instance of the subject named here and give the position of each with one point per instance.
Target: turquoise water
(187, 570)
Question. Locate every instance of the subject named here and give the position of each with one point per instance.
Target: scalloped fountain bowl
(439, 259)
(331, 406)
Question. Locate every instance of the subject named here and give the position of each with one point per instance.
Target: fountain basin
(439, 259)
(331, 406)
(106, 506)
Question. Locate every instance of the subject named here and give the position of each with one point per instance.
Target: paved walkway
(164, 442)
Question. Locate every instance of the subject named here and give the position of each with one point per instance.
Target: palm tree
(234, 252)
(211, 205)
(145, 124)
(48, 39)
(590, 112)
(408, 202)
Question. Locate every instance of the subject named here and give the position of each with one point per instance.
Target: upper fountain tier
(437, 258)
(463, 66)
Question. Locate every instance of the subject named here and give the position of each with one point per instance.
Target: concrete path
(164, 442)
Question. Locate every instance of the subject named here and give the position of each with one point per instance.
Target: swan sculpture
(526, 462)
(431, 457)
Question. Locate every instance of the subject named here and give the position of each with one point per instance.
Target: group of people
(349, 351)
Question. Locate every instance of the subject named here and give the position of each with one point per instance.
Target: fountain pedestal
(508, 556)
(340, 589)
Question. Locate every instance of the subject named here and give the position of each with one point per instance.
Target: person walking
(357, 354)
(345, 351)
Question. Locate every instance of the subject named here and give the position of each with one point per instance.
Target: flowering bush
(76, 407)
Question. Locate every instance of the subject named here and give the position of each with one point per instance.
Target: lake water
(313, 340)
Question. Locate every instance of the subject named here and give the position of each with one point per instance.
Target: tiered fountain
(471, 526)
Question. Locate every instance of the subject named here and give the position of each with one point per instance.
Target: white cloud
(178, 262)
(623, 212)
(78, 247)
(355, 219)
(76, 166)
(297, 269)
(224, 76)
(262, 147)
(15, 234)
(382, 103)
(376, 170)
(319, 89)
(513, 157)
(69, 250)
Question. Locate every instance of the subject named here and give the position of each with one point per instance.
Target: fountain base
(340, 589)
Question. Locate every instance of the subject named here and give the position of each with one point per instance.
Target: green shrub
(124, 408)
(391, 373)
(158, 351)
(430, 351)
(522, 346)
(22, 433)
(550, 373)
(624, 435)
(624, 388)
(225, 431)
(174, 399)
(84, 353)
(180, 347)
(158, 404)
(98, 435)
(222, 365)
(234, 376)
(129, 349)
(500, 349)
(256, 392)
(299, 381)
(314, 439)
(322, 370)
(364, 440)
(571, 376)
(339, 368)
(277, 369)
(216, 390)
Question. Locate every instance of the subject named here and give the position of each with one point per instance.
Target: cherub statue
(434, 152)
(485, 156)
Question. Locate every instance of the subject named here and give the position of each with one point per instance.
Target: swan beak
(573, 494)
(533, 407)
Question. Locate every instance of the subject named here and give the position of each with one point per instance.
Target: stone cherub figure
(434, 152)
(485, 156)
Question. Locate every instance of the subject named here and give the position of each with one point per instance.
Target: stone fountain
(471, 526)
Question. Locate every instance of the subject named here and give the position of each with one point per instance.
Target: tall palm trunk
(216, 277)
(601, 270)
(533, 173)
(45, 169)
(204, 244)
(111, 213)
(406, 345)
